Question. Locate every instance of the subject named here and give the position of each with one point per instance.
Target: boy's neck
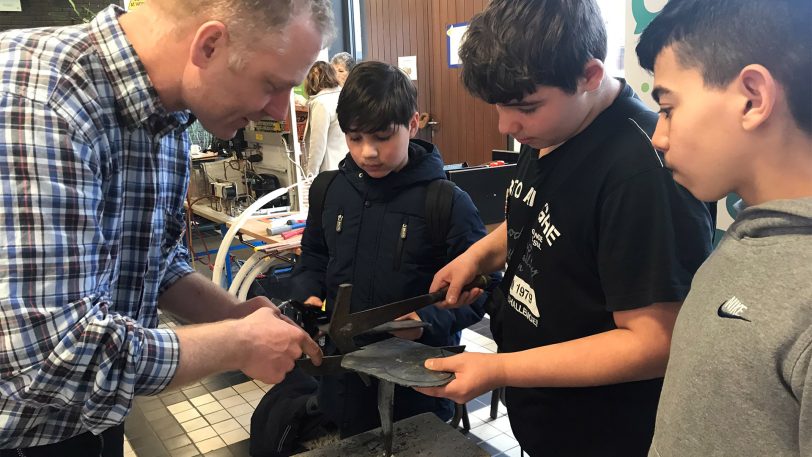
(781, 169)
(600, 99)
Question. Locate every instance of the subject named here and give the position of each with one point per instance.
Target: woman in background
(342, 63)
(324, 139)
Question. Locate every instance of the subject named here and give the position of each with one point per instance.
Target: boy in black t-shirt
(600, 242)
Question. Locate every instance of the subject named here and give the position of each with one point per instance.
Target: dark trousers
(109, 444)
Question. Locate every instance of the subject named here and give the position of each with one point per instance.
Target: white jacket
(323, 138)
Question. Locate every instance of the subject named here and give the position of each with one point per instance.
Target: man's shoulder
(37, 63)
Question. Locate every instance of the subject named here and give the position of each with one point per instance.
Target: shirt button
(367, 204)
(360, 175)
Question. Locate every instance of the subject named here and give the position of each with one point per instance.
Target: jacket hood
(424, 165)
(774, 218)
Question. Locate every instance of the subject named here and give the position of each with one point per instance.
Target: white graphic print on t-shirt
(522, 296)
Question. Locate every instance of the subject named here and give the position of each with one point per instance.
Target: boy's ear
(759, 92)
(414, 124)
(592, 76)
(210, 37)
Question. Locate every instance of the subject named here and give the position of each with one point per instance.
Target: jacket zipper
(20, 453)
(340, 221)
(401, 242)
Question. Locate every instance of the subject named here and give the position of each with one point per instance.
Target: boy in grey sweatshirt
(733, 81)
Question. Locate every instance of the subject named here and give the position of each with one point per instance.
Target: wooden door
(466, 128)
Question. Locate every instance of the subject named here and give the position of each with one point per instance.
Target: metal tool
(344, 325)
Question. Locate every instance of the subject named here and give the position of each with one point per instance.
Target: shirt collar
(137, 101)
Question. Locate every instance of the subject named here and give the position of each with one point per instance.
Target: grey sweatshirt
(739, 381)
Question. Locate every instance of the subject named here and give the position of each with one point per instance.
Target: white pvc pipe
(222, 252)
(260, 268)
(246, 267)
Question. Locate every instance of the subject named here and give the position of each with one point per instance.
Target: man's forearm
(196, 299)
(207, 349)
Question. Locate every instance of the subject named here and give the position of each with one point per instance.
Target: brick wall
(42, 13)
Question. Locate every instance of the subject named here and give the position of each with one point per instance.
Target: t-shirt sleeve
(652, 237)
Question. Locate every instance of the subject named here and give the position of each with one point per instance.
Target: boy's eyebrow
(658, 91)
(521, 103)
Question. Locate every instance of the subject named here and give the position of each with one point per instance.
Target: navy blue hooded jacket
(365, 249)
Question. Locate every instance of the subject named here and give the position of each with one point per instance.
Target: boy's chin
(377, 172)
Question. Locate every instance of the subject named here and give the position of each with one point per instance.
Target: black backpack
(286, 416)
(439, 199)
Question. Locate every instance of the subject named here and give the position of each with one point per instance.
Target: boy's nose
(508, 126)
(369, 150)
(660, 137)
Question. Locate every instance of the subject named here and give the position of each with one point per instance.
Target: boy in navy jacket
(374, 235)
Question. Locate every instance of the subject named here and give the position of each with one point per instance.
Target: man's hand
(455, 276)
(475, 373)
(272, 344)
(413, 334)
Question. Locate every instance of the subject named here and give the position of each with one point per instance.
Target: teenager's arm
(485, 256)
(637, 350)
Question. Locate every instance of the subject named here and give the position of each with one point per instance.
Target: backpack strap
(439, 199)
(318, 193)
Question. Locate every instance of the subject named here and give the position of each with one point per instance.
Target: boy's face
(699, 129)
(547, 117)
(381, 153)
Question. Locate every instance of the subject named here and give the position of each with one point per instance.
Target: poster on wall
(454, 33)
(639, 13)
(409, 66)
(10, 5)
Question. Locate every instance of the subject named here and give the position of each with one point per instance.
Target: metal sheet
(399, 361)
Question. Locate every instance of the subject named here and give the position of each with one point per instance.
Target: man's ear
(414, 124)
(759, 92)
(592, 76)
(210, 40)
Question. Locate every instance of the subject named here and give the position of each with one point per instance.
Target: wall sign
(454, 33)
(10, 5)
(409, 66)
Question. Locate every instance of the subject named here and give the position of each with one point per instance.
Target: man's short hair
(515, 45)
(375, 97)
(253, 18)
(344, 59)
(721, 37)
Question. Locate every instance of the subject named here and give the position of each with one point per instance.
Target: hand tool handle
(344, 326)
(480, 281)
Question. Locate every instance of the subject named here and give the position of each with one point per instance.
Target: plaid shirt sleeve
(178, 267)
(60, 343)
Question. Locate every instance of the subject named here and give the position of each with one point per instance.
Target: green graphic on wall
(642, 16)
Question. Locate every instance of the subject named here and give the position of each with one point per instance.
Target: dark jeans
(109, 444)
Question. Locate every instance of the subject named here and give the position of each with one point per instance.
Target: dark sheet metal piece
(386, 403)
(399, 361)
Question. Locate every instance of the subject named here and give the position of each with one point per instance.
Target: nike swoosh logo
(733, 308)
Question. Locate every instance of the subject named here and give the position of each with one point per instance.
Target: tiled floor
(213, 417)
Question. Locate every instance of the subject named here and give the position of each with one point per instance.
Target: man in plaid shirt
(93, 174)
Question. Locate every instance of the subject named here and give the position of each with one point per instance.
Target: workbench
(424, 435)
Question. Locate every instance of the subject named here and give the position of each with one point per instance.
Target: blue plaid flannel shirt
(93, 174)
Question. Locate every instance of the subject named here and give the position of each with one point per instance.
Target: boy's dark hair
(375, 97)
(515, 45)
(721, 37)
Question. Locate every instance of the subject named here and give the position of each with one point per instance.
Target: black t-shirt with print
(609, 231)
